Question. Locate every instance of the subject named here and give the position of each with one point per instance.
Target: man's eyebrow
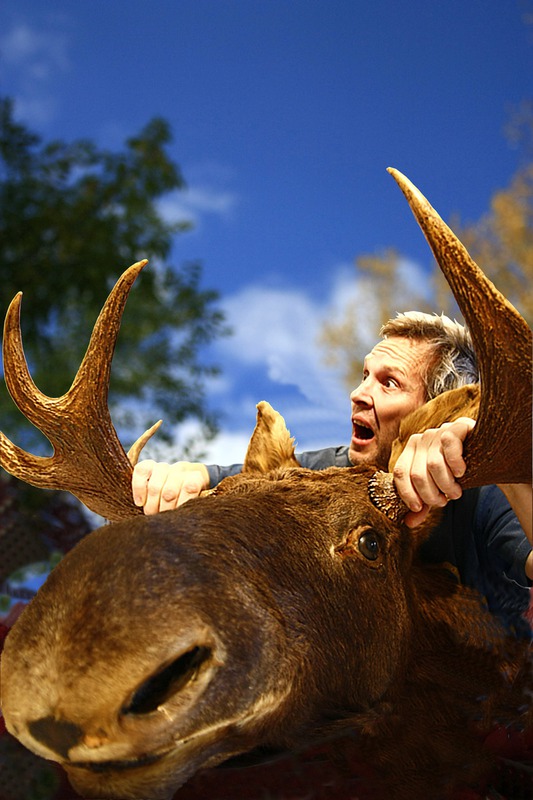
(396, 368)
(387, 367)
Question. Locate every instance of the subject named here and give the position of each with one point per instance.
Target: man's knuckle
(448, 437)
(418, 478)
(144, 468)
(399, 472)
(434, 462)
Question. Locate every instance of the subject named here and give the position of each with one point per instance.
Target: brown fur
(269, 575)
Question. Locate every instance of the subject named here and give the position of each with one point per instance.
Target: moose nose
(57, 734)
(166, 682)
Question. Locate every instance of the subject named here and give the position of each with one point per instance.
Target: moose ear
(446, 407)
(271, 445)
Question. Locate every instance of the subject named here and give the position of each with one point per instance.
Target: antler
(88, 459)
(499, 448)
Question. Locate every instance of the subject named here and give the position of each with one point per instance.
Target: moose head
(282, 607)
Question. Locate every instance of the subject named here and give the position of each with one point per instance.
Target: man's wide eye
(369, 545)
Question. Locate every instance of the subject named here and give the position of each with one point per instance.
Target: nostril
(165, 683)
(58, 735)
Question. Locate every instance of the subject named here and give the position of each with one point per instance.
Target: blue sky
(285, 116)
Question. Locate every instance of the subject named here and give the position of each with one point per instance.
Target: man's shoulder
(324, 458)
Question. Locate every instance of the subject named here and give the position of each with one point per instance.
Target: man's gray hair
(454, 361)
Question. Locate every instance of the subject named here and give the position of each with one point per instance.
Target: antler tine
(499, 448)
(88, 459)
(135, 450)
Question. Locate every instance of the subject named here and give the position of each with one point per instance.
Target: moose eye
(369, 545)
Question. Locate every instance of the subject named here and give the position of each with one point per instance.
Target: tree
(501, 242)
(383, 283)
(72, 217)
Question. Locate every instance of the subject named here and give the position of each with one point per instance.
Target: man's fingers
(155, 486)
(181, 484)
(404, 487)
(412, 519)
(431, 476)
(403, 475)
(426, 472)
(193, 484)
(452, 440)
(158, 486)
(139, 482)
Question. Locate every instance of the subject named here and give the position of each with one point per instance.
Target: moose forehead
(286, 513)
(341, 494)
(255, 530)
(295, 512)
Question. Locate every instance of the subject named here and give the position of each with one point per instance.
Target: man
(479, 538)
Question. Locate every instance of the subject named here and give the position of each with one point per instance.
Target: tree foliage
(72, 218)
(501, 242)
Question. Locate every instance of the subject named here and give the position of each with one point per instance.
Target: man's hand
(158, 486)
(425, 473)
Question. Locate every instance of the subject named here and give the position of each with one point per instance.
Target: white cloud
(276, 333)
(31, 59)
(278, 330)
(227, 448)
(38, 53)
(193, 203)
(274, 355)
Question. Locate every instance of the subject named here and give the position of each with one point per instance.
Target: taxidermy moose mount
(283, 607)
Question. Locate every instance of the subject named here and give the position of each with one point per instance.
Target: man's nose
(362, 394)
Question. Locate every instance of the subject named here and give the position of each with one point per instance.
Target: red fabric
(327, 772)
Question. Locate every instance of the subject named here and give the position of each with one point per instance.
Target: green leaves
(72, 218)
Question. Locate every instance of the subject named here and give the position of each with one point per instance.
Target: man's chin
(369, 456)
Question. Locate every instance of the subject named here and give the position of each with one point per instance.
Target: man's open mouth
(362, 432)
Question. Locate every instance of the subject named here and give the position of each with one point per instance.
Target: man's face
(391, 388)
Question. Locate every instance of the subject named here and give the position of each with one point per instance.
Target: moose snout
(57, 735)
(118, 723)
(166, 682)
